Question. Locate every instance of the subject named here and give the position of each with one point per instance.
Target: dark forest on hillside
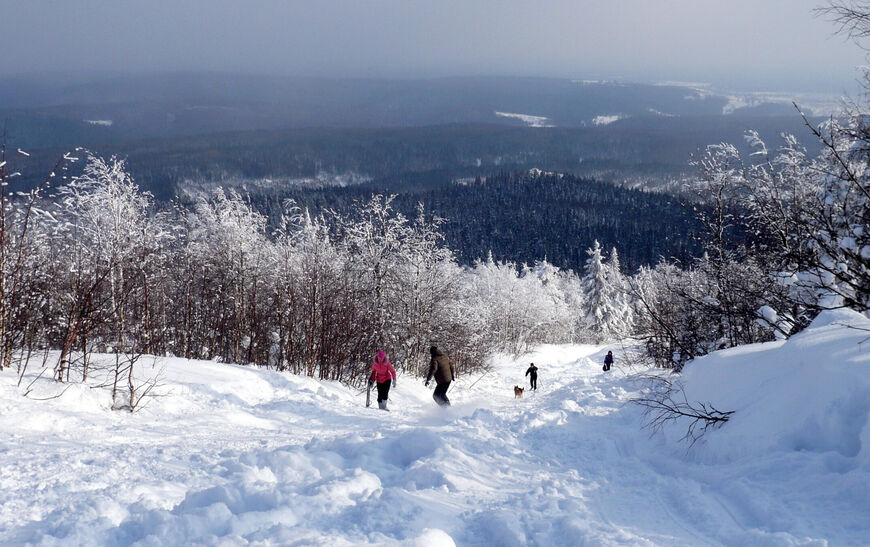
(526, 217)
(642, 152)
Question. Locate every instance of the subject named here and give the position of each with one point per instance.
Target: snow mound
(809, 393)
(432, 538)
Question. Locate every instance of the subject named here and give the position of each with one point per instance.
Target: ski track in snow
(235, 455)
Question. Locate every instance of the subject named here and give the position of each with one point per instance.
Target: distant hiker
(382, 373)
(532, 373)
(608, 360)
(444, 372)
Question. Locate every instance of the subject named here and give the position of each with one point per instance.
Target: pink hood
(382, 370)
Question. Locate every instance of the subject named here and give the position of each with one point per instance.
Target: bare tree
(852, 18)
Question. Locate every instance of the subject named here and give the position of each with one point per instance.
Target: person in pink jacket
(382, 373)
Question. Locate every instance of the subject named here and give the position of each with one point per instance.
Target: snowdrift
(810, 393)
(238, 455)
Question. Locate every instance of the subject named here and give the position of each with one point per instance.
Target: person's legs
(437, 394)
(440, 394)
(534, 382)
(383, 391)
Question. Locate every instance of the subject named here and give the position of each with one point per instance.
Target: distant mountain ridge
(164, 105)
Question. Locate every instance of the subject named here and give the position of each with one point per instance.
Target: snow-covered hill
(235, 455)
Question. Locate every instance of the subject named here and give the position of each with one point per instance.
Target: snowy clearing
(606, 120)
(528, 119)
(236, 455)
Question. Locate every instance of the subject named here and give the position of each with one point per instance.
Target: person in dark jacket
(442, 369)
(608, 360)
(532, 373)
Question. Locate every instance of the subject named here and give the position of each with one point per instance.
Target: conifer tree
(597, 295)
(623, 316)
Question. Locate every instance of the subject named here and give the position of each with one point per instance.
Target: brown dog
(518, 392)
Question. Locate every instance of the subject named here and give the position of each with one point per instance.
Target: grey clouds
(741, 44)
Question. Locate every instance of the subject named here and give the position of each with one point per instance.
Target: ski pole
(479, 379)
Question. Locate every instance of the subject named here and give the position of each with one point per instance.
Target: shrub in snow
(688, 313)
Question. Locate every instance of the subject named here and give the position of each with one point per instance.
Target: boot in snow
(383, 405)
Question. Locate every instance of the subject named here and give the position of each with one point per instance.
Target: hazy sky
(745, 44)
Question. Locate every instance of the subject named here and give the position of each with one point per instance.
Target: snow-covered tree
(429, 280)
(720, 179)
(602, 320)
(840, 236)
(24, 282)
(231, 262)
(375, 239)
(623, 319)
(105, 227)
(522, 307)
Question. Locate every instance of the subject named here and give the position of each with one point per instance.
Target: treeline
(96, 266)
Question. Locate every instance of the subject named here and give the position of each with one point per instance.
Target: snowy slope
(239, 455)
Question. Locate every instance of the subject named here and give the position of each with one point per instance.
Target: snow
(606, 120)
(821, 400)
(677, 83)
(194, 188)
(848, 244)
(234, 455)
(659, 113)
(105, 123)
(528, 119)
(538, 172)
(814, 104)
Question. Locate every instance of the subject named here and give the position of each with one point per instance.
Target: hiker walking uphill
(383, 373)
(532, 373)
(442, 369)
(608, 360)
